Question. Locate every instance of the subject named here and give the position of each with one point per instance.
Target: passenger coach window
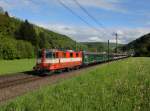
(49, 55)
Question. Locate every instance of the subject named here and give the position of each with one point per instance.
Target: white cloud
(120, 32)
(61, 28)
(93, 39)
(113, 5)
(19, 5)
(85, 34)
(104, 4)
(4, 4)
(114, 41)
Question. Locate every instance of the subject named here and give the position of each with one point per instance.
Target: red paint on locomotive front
(59, 60)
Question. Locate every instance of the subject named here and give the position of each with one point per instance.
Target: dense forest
(21, 39)
(140, 46)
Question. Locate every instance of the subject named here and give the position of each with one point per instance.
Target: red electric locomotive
(53, 59)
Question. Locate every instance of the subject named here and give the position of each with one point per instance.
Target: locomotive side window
(49, 54)
(64, 55)
(56, 56)
(71, 54)
(77, 54)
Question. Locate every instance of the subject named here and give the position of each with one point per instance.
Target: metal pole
(108, 50)
(116, 42)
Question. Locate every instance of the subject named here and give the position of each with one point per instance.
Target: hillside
(21, 39)
(100, 46)
(140, 46)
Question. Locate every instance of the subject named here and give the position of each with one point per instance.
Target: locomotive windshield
(49, 54)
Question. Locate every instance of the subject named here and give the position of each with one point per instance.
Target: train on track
(50, 60)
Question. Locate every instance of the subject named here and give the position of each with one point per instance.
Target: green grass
(118, 86)
(13, 66)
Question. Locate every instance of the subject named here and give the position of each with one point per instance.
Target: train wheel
(67, 69)
(77, 67)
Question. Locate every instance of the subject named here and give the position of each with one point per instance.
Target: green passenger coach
(94, 57)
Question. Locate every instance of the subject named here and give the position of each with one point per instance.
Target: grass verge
(13, 66)
(118, 86)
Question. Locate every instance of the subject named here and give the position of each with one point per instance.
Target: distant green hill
(21, 39)
(101, 46)
(140, 46)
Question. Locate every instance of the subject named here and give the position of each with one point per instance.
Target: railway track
(21, 80)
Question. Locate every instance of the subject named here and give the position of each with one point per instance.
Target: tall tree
(27, 32)
(42, 40)
(6, 13)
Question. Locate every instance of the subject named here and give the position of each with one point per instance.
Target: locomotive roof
(57, 50)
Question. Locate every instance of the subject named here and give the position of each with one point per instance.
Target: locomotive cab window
(49, 54)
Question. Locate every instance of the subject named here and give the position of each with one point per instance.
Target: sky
(129, 18)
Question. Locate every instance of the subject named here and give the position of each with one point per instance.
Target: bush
(25, 49)
(8, 49)
(15, 49)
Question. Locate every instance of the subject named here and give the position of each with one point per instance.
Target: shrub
(15, 49)
(8, 49)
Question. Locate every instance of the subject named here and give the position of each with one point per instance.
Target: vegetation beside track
(14, 66)
(119, 86)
